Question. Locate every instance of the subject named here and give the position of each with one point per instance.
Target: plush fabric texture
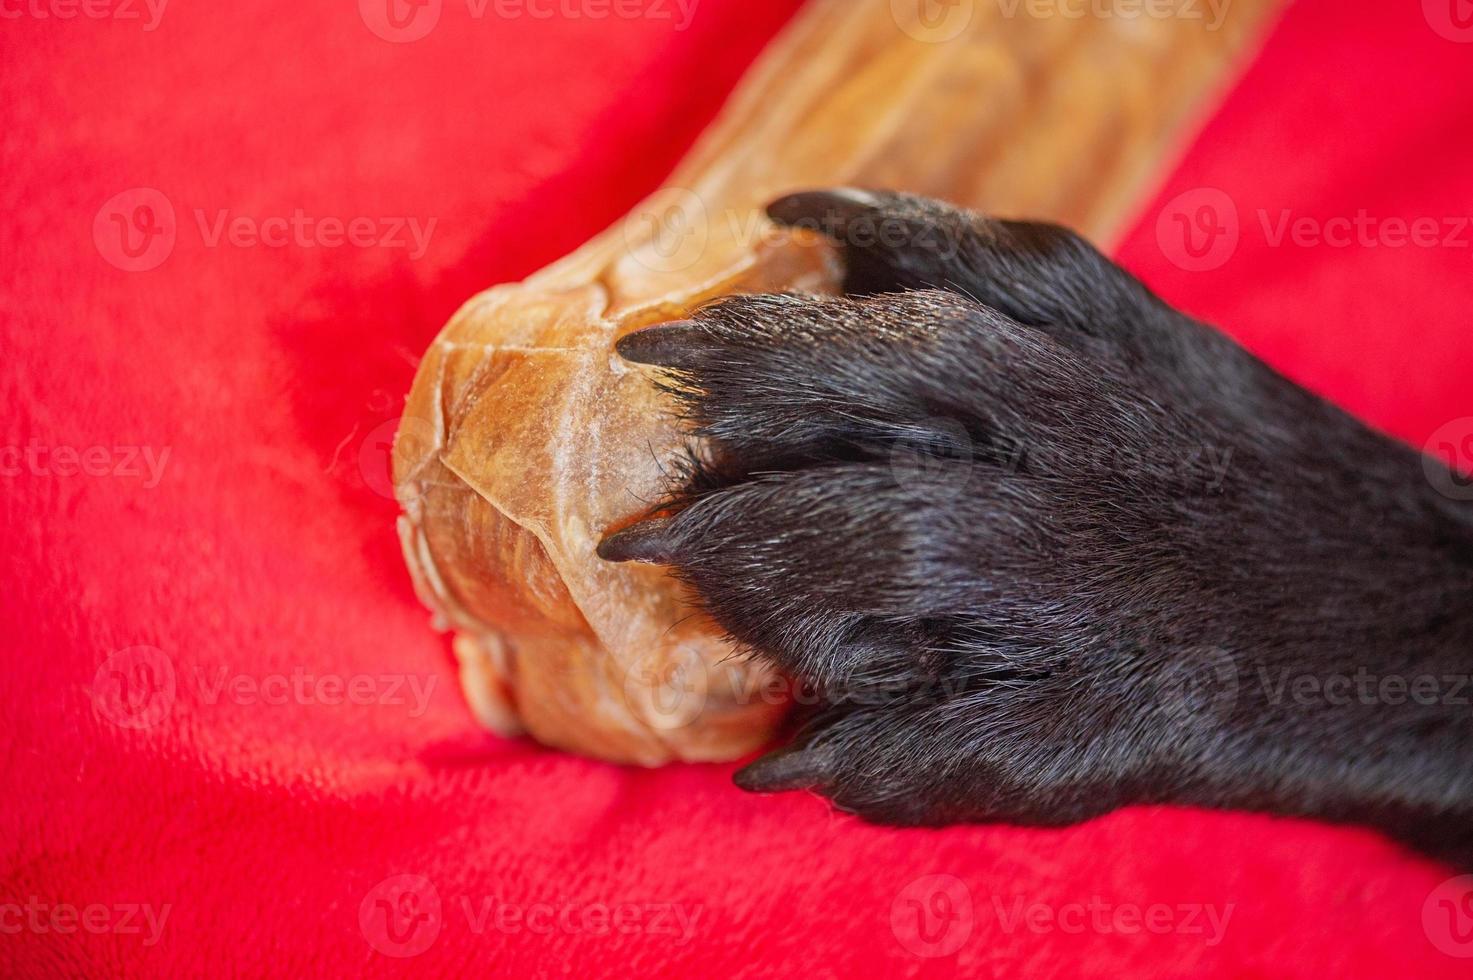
(230, 735)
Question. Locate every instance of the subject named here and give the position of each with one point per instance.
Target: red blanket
(230, 736)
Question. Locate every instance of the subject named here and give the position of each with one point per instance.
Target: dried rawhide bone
(525, 439)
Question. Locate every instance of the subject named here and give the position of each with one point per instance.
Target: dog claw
(666, 345)
(785, 769)
(648, 541)
(832, 210)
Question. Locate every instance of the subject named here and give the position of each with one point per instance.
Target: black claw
(648, 541)
(785, 769)
(831, 210)
(667, 345)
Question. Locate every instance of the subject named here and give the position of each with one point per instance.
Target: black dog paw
(1012, 516)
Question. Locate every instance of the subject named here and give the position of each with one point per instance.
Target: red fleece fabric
(196, 515)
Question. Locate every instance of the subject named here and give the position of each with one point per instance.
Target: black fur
(1049, 547)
